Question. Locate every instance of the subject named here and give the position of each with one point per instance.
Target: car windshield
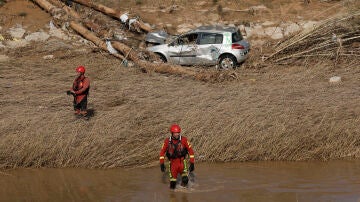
(236, 36)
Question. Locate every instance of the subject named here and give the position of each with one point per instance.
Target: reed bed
(290, 113)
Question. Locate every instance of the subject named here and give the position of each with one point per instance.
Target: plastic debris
(124, 17)
(110, 48)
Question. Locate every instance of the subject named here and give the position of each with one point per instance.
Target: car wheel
(162, 58)
(227, 62)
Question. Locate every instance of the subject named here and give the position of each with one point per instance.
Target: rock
(309, 25)
(4, 58)
(274, 32)
(58, 33)
(17, 32)
(258, 30)
(16, 43)
(37, 36)
(291, 28)
(335, 79)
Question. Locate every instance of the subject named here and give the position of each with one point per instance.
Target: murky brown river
(264, 181)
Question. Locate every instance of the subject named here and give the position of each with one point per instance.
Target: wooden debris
(111, 12)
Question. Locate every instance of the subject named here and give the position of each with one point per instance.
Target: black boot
(172, 184)
(184, 180)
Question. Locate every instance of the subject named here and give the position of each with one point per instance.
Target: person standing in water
(177, 148)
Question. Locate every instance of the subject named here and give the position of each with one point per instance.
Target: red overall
(81, 88)
(176, 151)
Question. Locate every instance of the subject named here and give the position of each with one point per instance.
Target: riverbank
(268, 112)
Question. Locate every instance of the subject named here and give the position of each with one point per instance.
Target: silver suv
(206, 45)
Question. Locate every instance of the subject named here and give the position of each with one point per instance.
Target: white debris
(335, 79)
(110, 48)
(51, 25)
(124, 17)
(131, 21)
(48, 57)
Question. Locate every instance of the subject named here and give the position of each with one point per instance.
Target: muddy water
(264, 181)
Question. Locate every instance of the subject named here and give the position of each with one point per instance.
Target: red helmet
(175, 128)
(80, 69)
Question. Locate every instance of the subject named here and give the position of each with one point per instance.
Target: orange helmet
(80, 69)
(175, 128)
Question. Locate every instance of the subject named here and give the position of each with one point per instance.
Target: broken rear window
(236, 36)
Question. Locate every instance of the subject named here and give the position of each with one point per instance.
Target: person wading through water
(176, 148)
(80, 91)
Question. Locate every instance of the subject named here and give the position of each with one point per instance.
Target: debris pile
(92, 31)
(333, 38)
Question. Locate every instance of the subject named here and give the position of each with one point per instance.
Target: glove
(69, 92)
(191, 168)
(162, 167)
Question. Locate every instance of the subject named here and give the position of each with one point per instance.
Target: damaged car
(222, 46)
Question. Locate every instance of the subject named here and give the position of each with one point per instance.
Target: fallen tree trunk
(110, 12)
(68, 10)
(53, 10)
(125, 50)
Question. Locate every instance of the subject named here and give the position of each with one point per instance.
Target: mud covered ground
(269, 113)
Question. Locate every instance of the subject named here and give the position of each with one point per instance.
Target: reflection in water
(263, 181)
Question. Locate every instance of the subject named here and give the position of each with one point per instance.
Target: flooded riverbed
(263, 181)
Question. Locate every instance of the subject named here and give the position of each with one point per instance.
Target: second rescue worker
(176, 148)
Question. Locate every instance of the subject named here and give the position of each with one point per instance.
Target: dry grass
(273, 113)
(291, 113)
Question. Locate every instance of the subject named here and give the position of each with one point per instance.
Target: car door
(208, 49)
(174, 51)
(188, 49)
(183, 49)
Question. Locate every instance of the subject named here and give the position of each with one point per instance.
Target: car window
(187, 39)
(236, 36)
(211, 38)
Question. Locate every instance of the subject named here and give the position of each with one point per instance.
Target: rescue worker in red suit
(176, 148)
(80, 90)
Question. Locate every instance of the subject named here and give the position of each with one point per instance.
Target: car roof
(214, 29)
